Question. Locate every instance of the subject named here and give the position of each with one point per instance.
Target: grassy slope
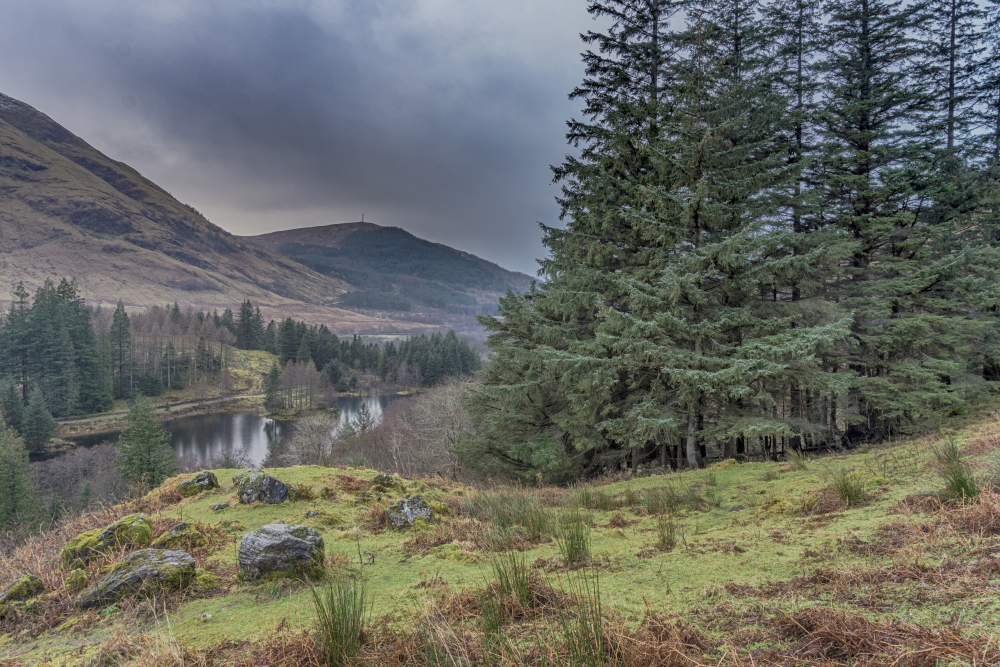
(773, 523)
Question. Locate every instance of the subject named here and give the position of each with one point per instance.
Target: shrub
(573, 536)
(850, 487)
(341, 616)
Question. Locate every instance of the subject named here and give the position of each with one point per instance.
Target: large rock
(203, 481)
(24, 588)
(260, 487)
(142, 572)
(132, 530)
(278, 550)
(181, 536)
(404, 511)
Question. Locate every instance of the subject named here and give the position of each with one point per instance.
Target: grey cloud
(435, 115)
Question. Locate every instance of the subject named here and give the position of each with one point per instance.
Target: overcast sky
(438, 116)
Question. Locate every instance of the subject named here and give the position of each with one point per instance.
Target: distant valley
(66, 209)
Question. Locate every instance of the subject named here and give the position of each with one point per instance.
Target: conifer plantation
(780, 230)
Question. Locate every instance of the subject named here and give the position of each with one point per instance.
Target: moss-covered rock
(383, 483)
(181, 536)
(259, 487)
(131, 530)
(279, 550)
(218, 507)
(142, 573)
(203, 481)
(76, 580)
(26, 587)
(404, 511)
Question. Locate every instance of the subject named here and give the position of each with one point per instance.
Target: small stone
(261, 487)
(218, 507)
(142, 572)
(203, 481)
(205, 617)
(312, 514)
(131, 530)
(183, 535)
(278, 550)
(26, 587)
(404, 511)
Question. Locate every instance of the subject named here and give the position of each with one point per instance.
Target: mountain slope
(380, 261)
(68, 210)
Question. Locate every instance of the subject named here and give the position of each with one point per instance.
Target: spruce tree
(988, 87)
(12, 406)
(38, 425)
(272, 397)
(144, 454)
(904, 278)
(19, 501)
(120, 338)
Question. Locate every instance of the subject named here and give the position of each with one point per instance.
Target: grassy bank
(742, 563)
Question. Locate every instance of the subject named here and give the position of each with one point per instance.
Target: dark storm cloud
(439, 116)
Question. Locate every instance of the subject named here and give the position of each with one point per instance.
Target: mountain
(390, 269)
(67, 210)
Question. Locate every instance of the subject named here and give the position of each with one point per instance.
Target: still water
(206, 437)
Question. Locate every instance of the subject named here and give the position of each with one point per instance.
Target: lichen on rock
(203, 481)
(181, 536)
(131, 530)
(404, 511)
(279, 550)
(142, 572)
(261, 487)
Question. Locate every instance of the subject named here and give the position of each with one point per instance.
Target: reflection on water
(349, 405)
(207, 437)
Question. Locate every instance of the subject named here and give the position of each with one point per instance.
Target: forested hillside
(781, 231)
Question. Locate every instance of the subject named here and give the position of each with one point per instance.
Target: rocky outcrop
(259, 487)
(203, 481)
(142, 573)
(181, 536)
(404, 511)
(131, 530)
(279, 550)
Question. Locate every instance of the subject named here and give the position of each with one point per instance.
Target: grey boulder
(404, 511)
(142, 572)
(279, 550)
(258, 486)
(203, 481)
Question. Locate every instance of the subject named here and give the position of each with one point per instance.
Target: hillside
(739, 564)
(381, 261)
(68, 210)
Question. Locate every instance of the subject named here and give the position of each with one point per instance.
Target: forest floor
(741, 564)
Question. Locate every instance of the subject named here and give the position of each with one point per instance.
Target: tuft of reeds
(342, 611)
(851, 487)
(573, 536)
(666, 532)
(798, 459)
(513, 577)
(583, 634)
(508, 507)
(959, 481)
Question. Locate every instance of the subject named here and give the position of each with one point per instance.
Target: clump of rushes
(341, 616)
(797, 459)
(666, 532)
(513, 577)
(583, 634)
(606, 502)
(509, 507)
(573, 536)
(660, 500)
(959, 480)
(851, 487)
